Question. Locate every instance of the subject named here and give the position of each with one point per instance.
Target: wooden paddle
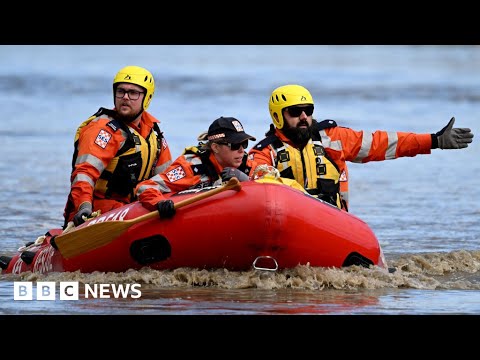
(81, 240)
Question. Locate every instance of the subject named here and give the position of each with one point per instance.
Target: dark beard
(298, 136)
(126, 119)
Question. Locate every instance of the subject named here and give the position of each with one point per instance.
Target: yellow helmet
(285, 96)
(138, 76)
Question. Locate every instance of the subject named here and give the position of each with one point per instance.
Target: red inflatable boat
(263, 224)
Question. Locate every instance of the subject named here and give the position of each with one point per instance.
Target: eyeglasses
(132, 94)
(235, 147)
(296, 111)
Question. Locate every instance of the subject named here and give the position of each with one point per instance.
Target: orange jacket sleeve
(177, 177)
(152, 195)
(261, 157)
(97, 145)
(362, 147)
(165, 158)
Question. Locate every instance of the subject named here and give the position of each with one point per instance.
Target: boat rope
(265, 170)
(70, 226)
(37, 242)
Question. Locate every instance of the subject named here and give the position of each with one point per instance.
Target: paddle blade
(82, 240)
(85, 239)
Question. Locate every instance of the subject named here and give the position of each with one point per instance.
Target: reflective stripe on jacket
(111, 158)
(193, 169)
(344, 144)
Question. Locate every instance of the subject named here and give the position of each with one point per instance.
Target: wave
(456, 270)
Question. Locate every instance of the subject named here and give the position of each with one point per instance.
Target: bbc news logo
(70, 290)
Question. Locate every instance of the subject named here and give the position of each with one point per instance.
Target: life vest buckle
(318, 150)
(283, 156)
(321, 169)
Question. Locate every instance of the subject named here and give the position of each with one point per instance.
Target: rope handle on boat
(70, 226)
(266, 171)
(265, 257)
(37, 242)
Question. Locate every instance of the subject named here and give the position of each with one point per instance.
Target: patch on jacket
(164, 143)
(176, 174)
(103, 138)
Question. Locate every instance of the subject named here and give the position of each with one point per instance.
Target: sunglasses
(296, 111)
(235, 147)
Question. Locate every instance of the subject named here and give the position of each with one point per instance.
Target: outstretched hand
(454, 138)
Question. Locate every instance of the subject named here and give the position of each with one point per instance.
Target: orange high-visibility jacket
(111, 158)
(194, 169)
(343, 144)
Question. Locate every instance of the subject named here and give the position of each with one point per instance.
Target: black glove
(229, 172)
(85, 209)
(452, 138)
(166, 208)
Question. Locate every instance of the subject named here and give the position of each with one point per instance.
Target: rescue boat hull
(266, 225)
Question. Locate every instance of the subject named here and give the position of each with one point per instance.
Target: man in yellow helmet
(315, 153)
(116, 149)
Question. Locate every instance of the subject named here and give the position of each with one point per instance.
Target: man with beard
(315, 153)
(116, 149)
